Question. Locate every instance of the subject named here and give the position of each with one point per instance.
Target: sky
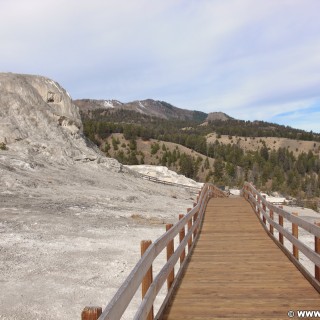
(252, 59)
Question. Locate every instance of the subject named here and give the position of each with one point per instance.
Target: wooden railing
(275, 220)
(187, 228)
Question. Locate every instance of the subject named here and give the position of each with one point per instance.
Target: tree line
(278, 170)
(243, 128)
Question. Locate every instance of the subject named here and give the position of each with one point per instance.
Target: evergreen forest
(281, 170)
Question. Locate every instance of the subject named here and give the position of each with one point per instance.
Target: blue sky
(252, 59)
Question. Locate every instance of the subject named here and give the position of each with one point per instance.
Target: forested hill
(227, 151)
(260, 129)
(198, 123)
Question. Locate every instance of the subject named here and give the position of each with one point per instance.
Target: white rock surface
(39, 121)
(235, 192)
(163, 173)
(275, 199)
(71, 220)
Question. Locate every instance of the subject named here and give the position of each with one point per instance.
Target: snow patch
(108, 104)
(141, 108)
(141, 105)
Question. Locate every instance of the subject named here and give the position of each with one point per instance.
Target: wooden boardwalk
(237, 272)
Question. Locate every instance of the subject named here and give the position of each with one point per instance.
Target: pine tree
(206, 163)
(218, 170)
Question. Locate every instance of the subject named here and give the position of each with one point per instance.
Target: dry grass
(252, 144)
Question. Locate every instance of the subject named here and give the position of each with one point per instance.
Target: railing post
(264, 209)
(245, 192)
(170, 250)
(189, 228)
(181, 237)
(317, 250)
(271, 217)
(295, 231)
(195, 217)
(91, 313)
(281, 224)
(258, 208)
(148, 278)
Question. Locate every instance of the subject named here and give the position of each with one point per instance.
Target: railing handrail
(122, 298)
(306, 225)
(262, 207)
(156, 285)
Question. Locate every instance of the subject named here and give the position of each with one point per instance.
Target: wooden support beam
(264, 209)
(281, 224)
(195, 217)
(295, 233)
(91, 313)
(170, 251)
(181, 237)
(189, 227)
(148, 278)
(271, 217)
(317, 250)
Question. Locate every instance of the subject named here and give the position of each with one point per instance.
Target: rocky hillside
(38, 119)
(214, 116)
(149, 107)
(71, 220)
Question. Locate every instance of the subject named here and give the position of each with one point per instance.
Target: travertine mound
(70, 222)
(38, 119)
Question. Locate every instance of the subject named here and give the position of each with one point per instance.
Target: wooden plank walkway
(237, 272)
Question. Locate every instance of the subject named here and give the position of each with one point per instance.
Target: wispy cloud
(251, 59)
(306, 118)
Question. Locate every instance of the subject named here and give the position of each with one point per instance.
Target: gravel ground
(70, 239)
(71, 220)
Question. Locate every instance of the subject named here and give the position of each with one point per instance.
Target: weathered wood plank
(237, 272)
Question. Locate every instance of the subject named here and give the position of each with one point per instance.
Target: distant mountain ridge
(146, 112)
(149, 107)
